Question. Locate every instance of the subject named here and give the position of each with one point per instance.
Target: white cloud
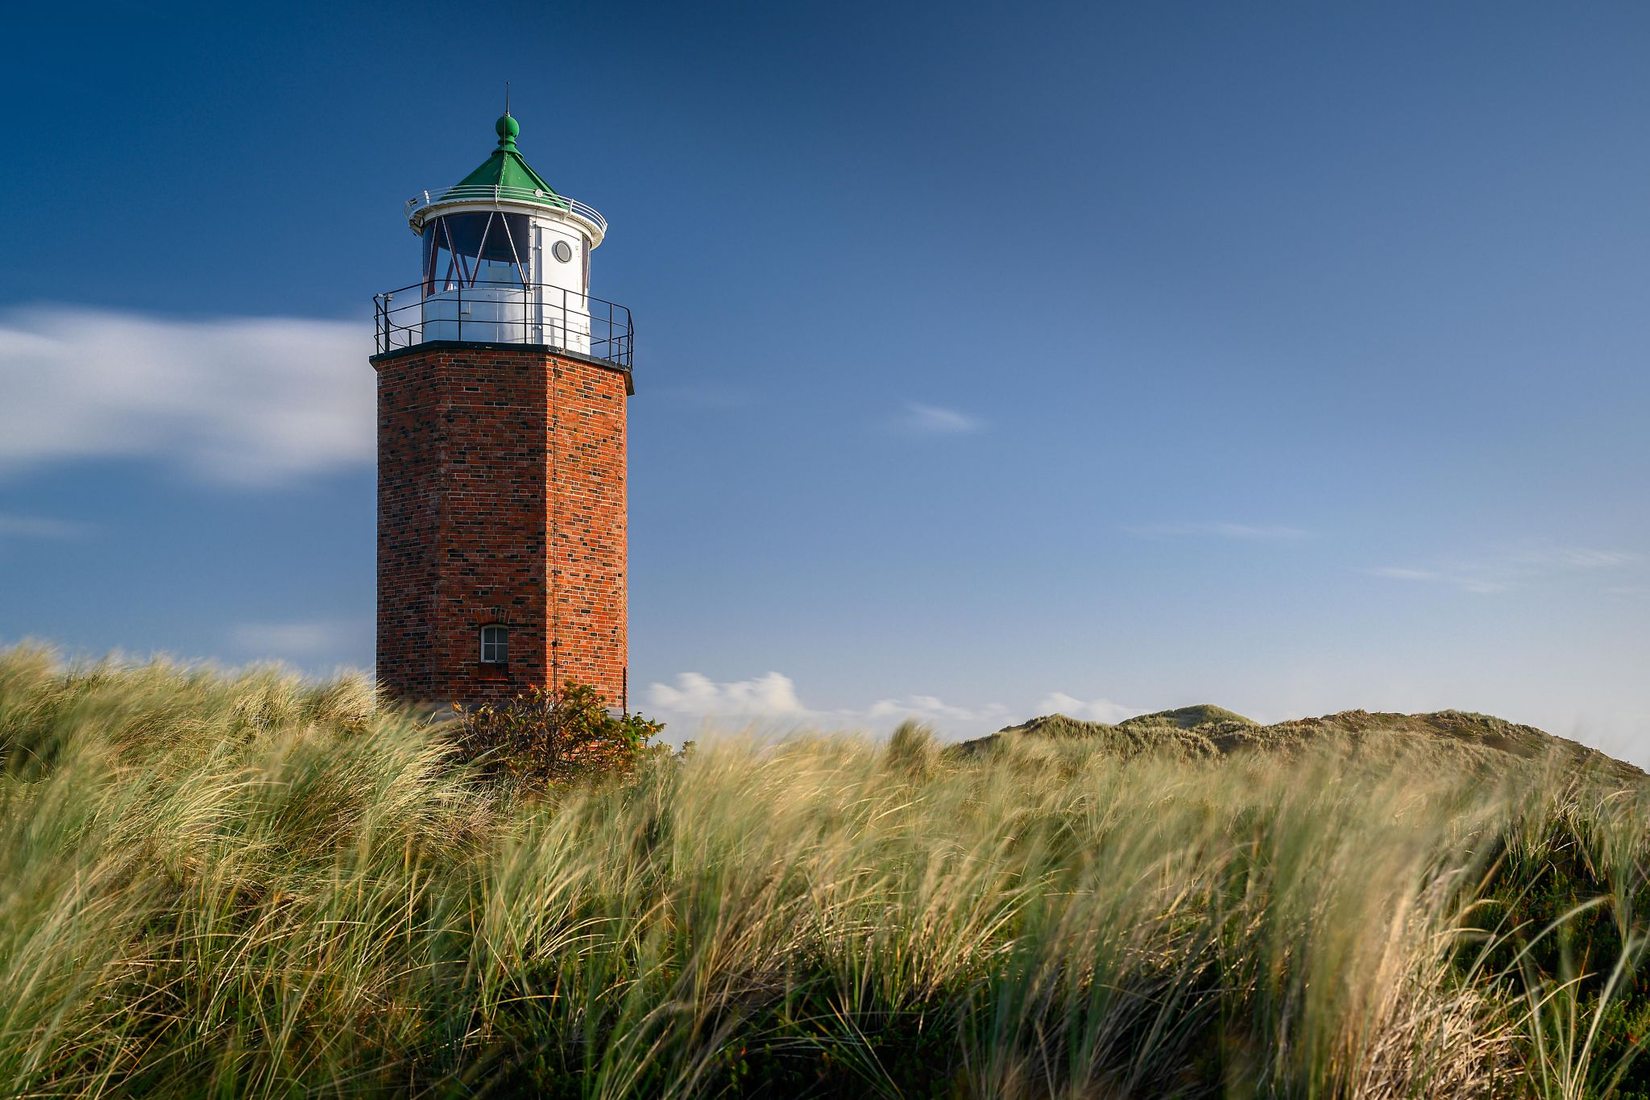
(773, 698)
(1096, 710)
(921, 419)
(1240, 531)
(237, 400)
(1555, 558)
(40, 527)
(697, 695)
(1399, 573)
(1508, 568)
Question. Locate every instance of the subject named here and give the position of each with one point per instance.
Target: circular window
(562, 250)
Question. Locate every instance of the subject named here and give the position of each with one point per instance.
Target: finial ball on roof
(507, 129)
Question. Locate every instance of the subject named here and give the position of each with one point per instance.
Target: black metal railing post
(608, 330)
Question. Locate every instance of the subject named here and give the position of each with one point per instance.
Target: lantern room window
(477, 248)
(495, 645)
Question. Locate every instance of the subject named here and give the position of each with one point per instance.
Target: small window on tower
(495, 645)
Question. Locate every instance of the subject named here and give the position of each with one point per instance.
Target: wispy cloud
(931, 708)
(1250, 532)
(1097, 710)
(1571, 557)
(241, 400)
(773, 698)
(300, 641)
(1398, 573)
(41, 527)
(1510, 567)
(918, 419)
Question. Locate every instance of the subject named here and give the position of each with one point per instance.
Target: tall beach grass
(246, 885)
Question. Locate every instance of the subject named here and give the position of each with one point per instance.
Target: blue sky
(991, 359)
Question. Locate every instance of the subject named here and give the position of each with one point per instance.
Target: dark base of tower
(434, 706)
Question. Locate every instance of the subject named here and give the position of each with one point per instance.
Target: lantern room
(504, 258)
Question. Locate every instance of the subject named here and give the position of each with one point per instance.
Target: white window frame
(499, 646)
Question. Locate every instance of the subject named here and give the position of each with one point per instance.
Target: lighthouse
(502, 389)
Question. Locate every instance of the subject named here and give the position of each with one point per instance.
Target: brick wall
(501, 499)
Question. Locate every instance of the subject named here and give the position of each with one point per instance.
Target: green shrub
(543, 738)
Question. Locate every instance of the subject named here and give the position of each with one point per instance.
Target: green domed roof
(506, 172)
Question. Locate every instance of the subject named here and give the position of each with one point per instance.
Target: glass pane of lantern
(465, 231)
(444, 270)
(490, 247)
(427, 268)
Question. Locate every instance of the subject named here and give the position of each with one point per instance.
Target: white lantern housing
(507, 260)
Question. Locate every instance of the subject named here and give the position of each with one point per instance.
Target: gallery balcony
(504, 313)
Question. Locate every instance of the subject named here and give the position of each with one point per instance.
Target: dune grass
(242, 884)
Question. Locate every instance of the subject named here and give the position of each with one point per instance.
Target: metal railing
(504, 313)
(508, 194)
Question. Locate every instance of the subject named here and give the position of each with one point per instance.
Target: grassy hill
(247, 885)
(1207, 731)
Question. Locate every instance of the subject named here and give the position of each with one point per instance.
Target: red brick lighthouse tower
(501, 447)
